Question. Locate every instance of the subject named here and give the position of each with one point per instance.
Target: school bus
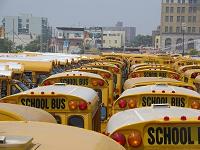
(29, 135)
(190, 75)
(184, 62)
(135, 66)
(143, 81)
(70, 105)
(156, 127)
(155, 73)
(145, 96)
(9, 86)
(197, 83)
(13, 112)
(161, 67)
(183, 69)
(117, 75)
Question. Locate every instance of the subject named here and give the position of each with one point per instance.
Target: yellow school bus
(117, 74)
(183, 69)
(21, 135)
(155, 73)
(9, 86)
(190, 75)
(135, 66)
(157, 127)
(145, 96)
(184, 62)
(143, 81)
(13, 112)
(161, 67)
(197, 83)
(70, 105)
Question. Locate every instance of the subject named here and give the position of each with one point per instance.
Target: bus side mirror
(103, 113)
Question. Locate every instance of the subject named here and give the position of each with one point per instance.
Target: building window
(104, 41)
(166, 29)
(193, 29)
(171, 9)
(167, 10)
(183, 1)
(178, 10)
(179, 1)
(27, 20)
(189, 18)
(178, 18)
(167, 1)
(115, 41)
(183, 10)
(194, 19)
(190, 1)
(194, 9)
(189, 29)
(177, 29)
(182, 18)
(170, 29)
(172, 1)
(171, 18)
(194, 1)
(166, 18)
(190, 10)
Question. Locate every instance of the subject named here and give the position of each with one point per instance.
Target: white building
(113, 39)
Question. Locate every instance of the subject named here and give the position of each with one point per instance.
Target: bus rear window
(22, 86)
(76, 121)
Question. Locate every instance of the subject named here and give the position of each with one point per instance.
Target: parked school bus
(155, 73)
(190, 75)
(183, 69)
(70, 105)
(13, 112)
(145, 96)
(158, 127)
(143, 81)
(9, 86)
(197, 83)
(27, 135)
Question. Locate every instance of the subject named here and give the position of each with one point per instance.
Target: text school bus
(143, 81)
(155, 73)
(70, 105)
(197, 83)
(156, 127)
(9, 86)
(18, 135)
(86, 79)
(13, 112)
(117, 74)
(190, 75)
(145, 96)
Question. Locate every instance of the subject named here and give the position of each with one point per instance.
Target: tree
(5, 45)
(142, 40)
(33, 46)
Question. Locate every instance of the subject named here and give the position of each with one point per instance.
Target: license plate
(181, 135)
(75, 81)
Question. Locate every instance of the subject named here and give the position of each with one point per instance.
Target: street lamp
(183, 27)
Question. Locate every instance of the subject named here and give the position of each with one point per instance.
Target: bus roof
(93, 68)
(160, 88)
(75, 73)
(84, 93)
(27, 113)
(49, 136)
(138, 115)
(189, 72)
(133, 81)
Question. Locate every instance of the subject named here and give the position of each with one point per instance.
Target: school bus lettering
(75, 81)
(54, 103)
(155, 74)
(174, 101)
(173, 135)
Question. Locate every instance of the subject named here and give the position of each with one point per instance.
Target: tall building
(25, 28)
(2, 32)
(180, 24)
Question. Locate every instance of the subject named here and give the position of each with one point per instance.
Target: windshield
(22, 86)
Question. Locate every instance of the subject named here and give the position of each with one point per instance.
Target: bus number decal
(173, 135)
(75, 81)
(44, 103)
(173, 101)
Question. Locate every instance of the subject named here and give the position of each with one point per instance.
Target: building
(113, 39)
(157, 42)
(180, 24)
(155, 34)
(25, 28)
(130, 32)
(69, 40)
(2, 32)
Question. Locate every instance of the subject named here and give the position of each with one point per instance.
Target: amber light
(122, 103)
(195, 105)
(119, 138)
(135, 139)
(94, 82)
(116, 70)
(73, 105)
(82, 105)
(132, 103)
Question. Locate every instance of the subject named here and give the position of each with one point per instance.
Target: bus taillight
(101, 82)
(122, 103)
(94, 82)
(195, 105)
(107, 75)
(73, 105)
(132, 103)
(135, 139)
(119, 138)
(82, 105)
(116, 70)
(46, 83)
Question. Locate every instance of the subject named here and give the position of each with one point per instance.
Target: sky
(142, 14)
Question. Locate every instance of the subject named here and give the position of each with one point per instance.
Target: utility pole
(13, 33)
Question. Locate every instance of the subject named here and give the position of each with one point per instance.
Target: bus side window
(58, 119)
(76, 121)
(14, 90)
(4, 84)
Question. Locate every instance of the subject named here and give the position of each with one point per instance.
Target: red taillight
(166, 118)
(82, 105)
(119, 138)
(135, 139)
(195, 105)
(122, 103)
(101, 82)
(183, 118)
(116, 70)
(135, 75)
(46, 83)
(73, 105)
(107, 75)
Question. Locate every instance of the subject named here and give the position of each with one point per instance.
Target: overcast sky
(143, 14)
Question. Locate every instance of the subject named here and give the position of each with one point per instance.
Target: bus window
(4, 88)
(186, 80)
(29, 75)
(58, 119)
(40, 78)
(96, 122)
(14, 90)
(99, 92)
(76, 121)
(22, 86)
(103, 113)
